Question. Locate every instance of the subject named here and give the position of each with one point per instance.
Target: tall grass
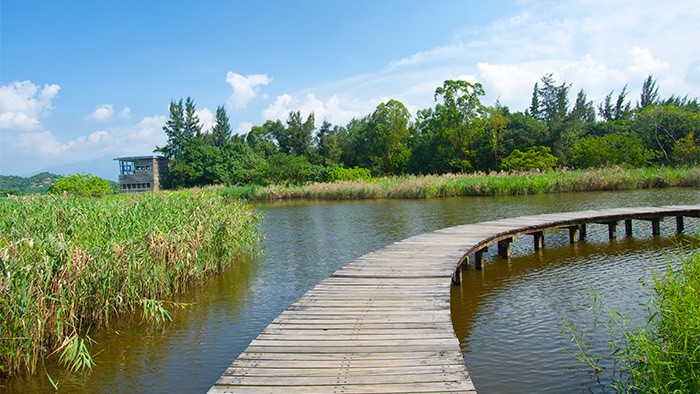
(662, 355)
(494, 184)
(68, 263)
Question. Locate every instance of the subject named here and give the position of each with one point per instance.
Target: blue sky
(84, 81)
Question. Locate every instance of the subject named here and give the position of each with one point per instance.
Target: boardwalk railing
(382, 323)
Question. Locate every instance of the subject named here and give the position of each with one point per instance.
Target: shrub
(535, 158)
(82, 185)
(348, 174)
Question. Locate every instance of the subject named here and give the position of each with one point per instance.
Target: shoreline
(455, 185)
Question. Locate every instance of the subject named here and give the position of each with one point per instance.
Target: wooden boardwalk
(382, 323)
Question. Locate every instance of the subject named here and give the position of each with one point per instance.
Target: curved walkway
(382, 323)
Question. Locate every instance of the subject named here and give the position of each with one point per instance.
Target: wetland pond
(509, 317)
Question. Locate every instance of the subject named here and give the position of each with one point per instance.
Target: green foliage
(612, 149)
(386, 139)
(38, 183)
(660, 127)
(537, 158)
(686, 150)
(70, 262)
(82, 185)
(293, 169)
(348, 174)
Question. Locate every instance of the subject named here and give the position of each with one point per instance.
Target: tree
(553, 111)
(175, 130)
(328, 139)
(583, 109)
(297, 137)
(650, 93)
(459, 113)
(619, 111)
(661, 126)
(496, 125)
(221, 132)
(386, 136)
(188, 153)
(262, 138)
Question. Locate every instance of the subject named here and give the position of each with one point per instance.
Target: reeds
(493, 184)
(69, 263)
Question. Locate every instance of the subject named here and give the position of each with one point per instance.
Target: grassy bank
(71, 263)
(496, 184)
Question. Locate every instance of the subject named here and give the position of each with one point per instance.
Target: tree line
(459, 134)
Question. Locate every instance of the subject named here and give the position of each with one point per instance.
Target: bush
(536, 158)
(348, 174)
(611, 150)
(82, 185)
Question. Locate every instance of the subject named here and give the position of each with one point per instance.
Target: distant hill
(38, 183)
(104, 167)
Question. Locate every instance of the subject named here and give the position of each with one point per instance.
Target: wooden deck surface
(382, 323)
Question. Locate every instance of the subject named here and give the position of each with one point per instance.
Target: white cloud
(125, 113)
(245, 88)
(206, 119)
(333, 109)
(101, 113)
(244, 127)
(598, 47)
(22, 103)
(138, 139)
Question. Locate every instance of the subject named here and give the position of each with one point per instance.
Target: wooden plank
(346, 370)
(342, 380)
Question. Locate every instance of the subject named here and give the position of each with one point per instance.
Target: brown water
(504, 315)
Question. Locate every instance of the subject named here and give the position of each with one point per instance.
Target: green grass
(70, 263)
(495, 184)
(662, 355)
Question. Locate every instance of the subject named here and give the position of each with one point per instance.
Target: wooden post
(504, 247)
(538, 239)
(457, 276)
(573, 234)
(656, 227)
(479, 259)
(628, 227)
(582, 231)
(679, 225)
(612, 230)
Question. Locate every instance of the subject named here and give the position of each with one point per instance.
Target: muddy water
(509, 303)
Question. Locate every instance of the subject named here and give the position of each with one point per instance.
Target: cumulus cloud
(102, 113)
(332, 109)
(245, 88)
(138, 139)
(244, 127)
(206, 119)
(125, 113)
(598, 47)
(22, 103)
